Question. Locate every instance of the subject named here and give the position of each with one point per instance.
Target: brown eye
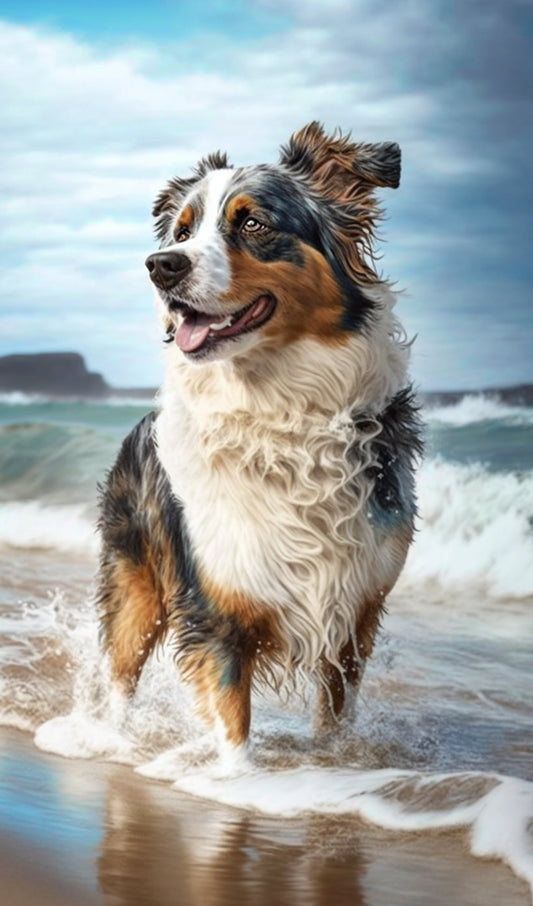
(183, 234)
(251, 225)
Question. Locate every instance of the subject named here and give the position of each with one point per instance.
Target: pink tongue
(193, 331)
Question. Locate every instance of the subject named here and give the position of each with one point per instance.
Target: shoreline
(93, 833)
(47, 374)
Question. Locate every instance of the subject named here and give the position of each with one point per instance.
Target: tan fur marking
(234, 708)
(366, 629)
(231, 705)
(372, 610)
(399, 543)
(309, 299)
(236, 604)
(138, 623)
(263, 646)
(186, 217)
(331, 691)
(254, 616)
(238, 204)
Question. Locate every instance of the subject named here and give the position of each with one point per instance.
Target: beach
(425, 798)
(94, 833)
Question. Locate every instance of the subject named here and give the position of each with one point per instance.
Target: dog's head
(271, 254)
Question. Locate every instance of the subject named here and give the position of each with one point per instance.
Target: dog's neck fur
(304, 380)
(272, 464)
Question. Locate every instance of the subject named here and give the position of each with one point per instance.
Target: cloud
(91, 132)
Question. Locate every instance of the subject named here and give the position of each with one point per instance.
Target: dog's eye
(251, 225)
(182, 234)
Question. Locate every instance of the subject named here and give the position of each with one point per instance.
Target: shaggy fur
(264, 512)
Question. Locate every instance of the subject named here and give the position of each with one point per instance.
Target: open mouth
(200, 332)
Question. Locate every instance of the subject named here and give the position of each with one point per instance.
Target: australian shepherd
(264, 511)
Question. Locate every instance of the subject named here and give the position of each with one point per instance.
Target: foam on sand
(162, 740)
(498, 810)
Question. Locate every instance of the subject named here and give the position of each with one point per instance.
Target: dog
(264, 511)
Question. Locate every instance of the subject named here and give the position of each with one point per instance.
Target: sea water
(443, 735)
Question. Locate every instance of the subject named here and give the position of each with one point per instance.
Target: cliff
(50, 374)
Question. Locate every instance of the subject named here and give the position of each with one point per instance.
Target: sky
(103, 102)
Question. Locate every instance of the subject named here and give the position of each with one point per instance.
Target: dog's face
(268, 255)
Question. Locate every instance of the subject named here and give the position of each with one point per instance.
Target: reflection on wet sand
(152, 854)
(162, 849)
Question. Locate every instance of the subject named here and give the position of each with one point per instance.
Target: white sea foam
(145, 402)
(66, 527)
(80, 735)
(475, 531)
(477, 408)
(18, 398)
(498, 810)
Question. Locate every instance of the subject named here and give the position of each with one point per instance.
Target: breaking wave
(475, 529)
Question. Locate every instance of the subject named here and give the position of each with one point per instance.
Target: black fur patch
(142, 522)
(397, 448)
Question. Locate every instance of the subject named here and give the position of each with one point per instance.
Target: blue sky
(102, 103)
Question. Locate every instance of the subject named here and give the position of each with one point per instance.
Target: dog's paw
(232, 761)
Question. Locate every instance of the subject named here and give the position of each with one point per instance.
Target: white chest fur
(275, 499)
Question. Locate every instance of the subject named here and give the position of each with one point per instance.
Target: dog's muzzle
(167, 269)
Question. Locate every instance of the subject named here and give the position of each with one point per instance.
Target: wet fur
(263, 513)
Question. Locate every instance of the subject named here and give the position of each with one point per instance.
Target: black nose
(166, 269)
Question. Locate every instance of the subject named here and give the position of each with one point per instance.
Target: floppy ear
(337, 166)
(168, 203)
(345, 173)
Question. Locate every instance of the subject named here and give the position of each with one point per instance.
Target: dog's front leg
(337, 690)
(222, 680)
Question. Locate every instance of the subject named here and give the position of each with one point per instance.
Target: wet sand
(84, 832)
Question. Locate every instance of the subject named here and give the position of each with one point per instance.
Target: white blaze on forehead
(217, 182)
(206, 248)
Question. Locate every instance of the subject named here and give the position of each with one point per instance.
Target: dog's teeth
(220, 325)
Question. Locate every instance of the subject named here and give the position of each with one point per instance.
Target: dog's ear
(338, 167)
(345, 173)
(168, 203)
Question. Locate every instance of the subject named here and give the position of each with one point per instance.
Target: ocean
(442, 741)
